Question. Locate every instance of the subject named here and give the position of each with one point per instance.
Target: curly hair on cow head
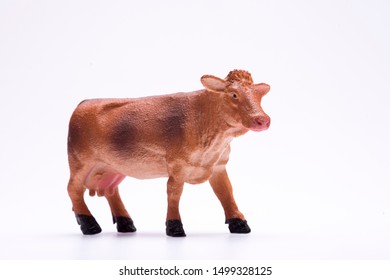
(241, 76)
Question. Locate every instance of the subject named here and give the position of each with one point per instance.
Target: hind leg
(120, 216)
(87, 222)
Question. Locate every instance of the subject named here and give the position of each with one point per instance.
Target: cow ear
(262, 88)
(212, 83)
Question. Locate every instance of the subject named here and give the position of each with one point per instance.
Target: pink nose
(261, 123)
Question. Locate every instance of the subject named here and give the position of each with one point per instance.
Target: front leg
(174, 227)
(222, 187)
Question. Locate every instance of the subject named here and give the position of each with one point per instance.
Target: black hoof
(88, 224)
(237, 225)
(124, 224)
(175, 228)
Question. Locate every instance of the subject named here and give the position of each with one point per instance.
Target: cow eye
(234, 96)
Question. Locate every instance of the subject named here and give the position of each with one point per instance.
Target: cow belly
(146, 170)
(103, 179)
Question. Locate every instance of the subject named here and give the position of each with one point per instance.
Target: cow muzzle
(260, 123)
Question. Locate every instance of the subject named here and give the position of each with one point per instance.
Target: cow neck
(210, 116)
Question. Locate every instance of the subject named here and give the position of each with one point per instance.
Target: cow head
(240, 99)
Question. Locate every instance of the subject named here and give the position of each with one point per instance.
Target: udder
(102, 180)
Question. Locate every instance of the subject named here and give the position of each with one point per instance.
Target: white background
(314, 186)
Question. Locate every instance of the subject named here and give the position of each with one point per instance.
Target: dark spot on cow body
(123, 137)
(174, 123)
(174, 126)
(75, 136)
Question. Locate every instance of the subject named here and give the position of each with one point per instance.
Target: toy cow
(183, 136)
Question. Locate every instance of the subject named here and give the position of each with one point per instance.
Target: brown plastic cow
(184, 137)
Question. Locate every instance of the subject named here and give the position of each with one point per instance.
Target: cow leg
(87, 222)
(222, 187)
(174, 227)
(120, 216)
